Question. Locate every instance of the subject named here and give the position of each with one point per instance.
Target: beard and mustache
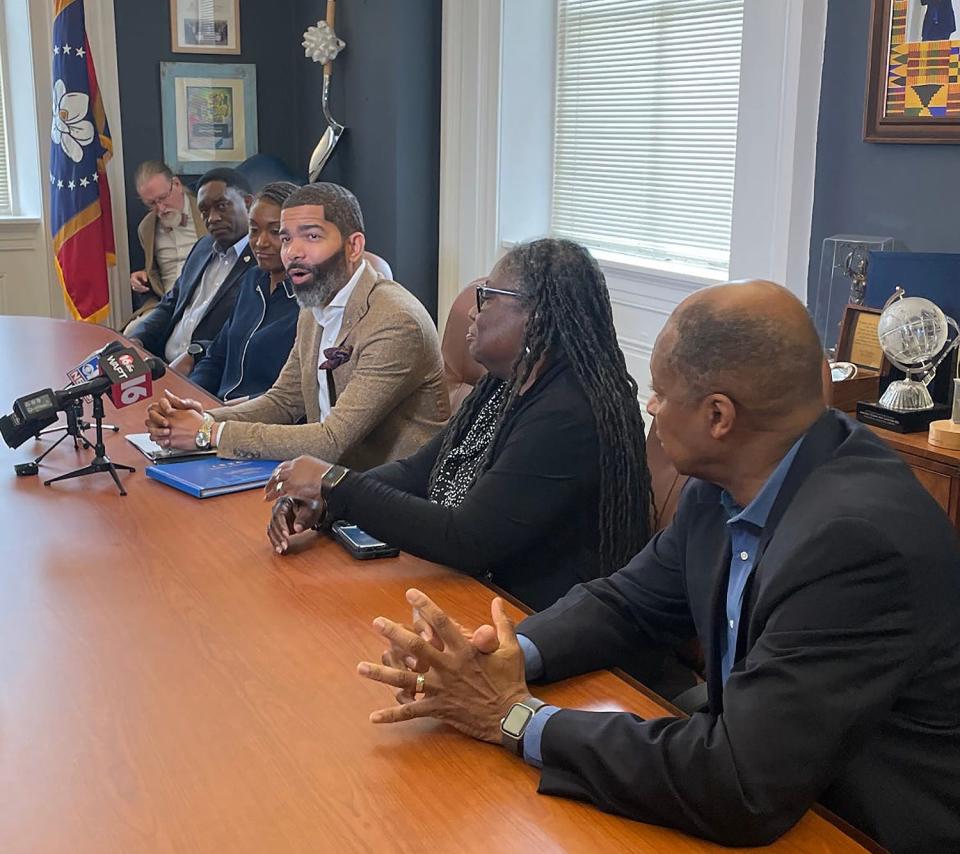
(328, 277)
(171, 218)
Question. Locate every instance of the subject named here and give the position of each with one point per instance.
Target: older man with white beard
(365, 372)
(167, 233)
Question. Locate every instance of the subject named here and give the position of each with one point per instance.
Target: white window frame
(19, 86)
(781, 64)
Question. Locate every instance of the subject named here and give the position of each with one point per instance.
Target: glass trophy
(844, 278)
(916, 337)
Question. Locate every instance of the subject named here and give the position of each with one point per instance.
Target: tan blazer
(390, 393)
(147, 232)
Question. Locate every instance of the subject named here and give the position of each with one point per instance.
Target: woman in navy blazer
(252, 347)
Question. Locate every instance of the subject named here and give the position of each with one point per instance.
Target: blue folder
(212, 476)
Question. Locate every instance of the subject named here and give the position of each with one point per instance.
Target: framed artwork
(205, 26)
(209, 115)
(913, 72)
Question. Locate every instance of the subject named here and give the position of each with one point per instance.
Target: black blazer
(530, 521)
(155, 328)
(846, 687)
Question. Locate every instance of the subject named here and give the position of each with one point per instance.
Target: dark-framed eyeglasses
(484, 292)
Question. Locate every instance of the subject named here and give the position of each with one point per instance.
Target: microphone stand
(100, 462)
(70, 430)
(75, 427)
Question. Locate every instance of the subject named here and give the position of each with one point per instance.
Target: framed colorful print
(205, 26)
(209, 115)
(913, 72)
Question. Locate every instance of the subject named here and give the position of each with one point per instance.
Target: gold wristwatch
(205, 431)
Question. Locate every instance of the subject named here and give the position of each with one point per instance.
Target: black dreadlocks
(565, 293)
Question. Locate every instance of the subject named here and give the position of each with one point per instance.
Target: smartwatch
(203, 439)
(333, 476)
(197, 351)
(515, 721)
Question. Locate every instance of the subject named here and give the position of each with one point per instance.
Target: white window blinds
(646, 127)
(6, 206)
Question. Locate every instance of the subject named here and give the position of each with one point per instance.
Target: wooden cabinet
(938, 469)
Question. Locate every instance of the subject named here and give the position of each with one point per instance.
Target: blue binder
(210, 477)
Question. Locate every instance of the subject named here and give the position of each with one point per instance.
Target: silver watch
(515, 721)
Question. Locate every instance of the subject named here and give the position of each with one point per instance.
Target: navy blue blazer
(155, 328)
(846, 682)
(252, 347)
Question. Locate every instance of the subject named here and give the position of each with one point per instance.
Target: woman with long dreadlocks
(540, 480)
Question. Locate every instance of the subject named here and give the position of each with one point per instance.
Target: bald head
(753, 341)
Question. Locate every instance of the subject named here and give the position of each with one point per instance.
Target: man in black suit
(821, 578)
(190, 315)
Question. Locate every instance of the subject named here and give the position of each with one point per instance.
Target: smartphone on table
(359, 543)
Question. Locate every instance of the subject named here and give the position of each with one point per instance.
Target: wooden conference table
(168, 683)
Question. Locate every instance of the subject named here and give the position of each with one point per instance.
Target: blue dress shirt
(746, 526)
(746, 529)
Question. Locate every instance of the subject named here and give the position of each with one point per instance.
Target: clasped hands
(173, 421)
(471, 679)
(295, 486)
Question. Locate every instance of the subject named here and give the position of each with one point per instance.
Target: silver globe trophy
(915, 337)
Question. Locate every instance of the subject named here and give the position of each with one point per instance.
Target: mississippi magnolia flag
(80, 218)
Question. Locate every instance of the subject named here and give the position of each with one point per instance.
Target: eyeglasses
(160, 200)
(484, 293)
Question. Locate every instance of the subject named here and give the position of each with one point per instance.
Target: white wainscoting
(25, 269)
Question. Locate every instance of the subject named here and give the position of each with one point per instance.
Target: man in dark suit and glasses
(821, 578)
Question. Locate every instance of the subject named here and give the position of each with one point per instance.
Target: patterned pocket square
(335, 357)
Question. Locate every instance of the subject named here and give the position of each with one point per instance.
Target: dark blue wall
(390, 154)
(902, 191)
(386, 90)
(267, 39)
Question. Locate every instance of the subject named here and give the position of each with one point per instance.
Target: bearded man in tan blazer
(365, 372)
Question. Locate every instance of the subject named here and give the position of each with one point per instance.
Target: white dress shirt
(331, 319)
(216, 272)
(171, 248)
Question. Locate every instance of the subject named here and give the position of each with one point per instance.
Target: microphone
(131, 377)
(126, 378)
(15, 429)
(90, 366)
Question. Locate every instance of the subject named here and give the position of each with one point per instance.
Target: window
(6, 202)
(646, 128)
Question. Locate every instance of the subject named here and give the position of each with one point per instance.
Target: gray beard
(328, 278)
(170, 219)
(315, 295)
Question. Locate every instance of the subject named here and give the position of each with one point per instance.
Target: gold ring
(421, 684)
(279, 486)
